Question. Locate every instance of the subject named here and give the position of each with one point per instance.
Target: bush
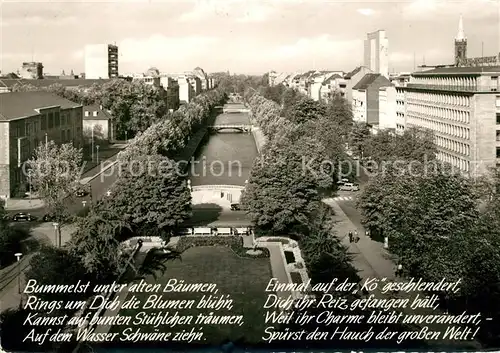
(53, 266)
(10, 243)
(233, 242)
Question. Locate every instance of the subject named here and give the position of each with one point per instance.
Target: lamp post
(56, 226)
(18, 256)
(97, 156)
(29, 185)
(92, 144)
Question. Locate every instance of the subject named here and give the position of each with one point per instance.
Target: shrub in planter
(233, 242)
(299, 265)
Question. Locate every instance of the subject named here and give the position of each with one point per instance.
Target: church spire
(460, 34)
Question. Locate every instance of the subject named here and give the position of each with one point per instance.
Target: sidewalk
(370, 257)
(372, 260)
(9, 285)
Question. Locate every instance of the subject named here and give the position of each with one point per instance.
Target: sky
(242, 36)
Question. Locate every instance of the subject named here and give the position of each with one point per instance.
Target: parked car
(81, 193)
(21, 216)
(48, 218)
(342, 181)
(235, 207)
(185, 231)
(349, 187)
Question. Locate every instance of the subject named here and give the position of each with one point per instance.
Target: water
(226, 157)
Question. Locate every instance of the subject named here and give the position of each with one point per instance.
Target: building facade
(97, 125)
(366, 98)
(461, 106)
(26, 120)
(101, 61)
(31, 71)
(376, 53)
(351, 79)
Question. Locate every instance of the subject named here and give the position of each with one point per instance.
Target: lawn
(244, 279)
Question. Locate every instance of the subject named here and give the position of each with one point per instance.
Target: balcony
(453, 88)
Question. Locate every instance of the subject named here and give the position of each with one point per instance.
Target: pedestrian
(367, 232)
(356, 236)
(399, 270)
(350, 237)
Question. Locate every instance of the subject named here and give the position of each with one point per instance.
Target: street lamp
(18, 256)
(29, 185)
(92, 144)
(97, 158)
(56, 226)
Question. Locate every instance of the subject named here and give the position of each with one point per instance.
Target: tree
(360, 133)
(304, 110)
(55, 172)
(97, 242)
(339, 110)
(151, 194)
(278, 196)
(422, 212)
(53, 266)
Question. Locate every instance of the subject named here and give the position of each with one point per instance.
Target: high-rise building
(377, 53)
(461, 105)
(101, 61)
(31, 70)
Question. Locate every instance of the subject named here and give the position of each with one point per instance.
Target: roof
(14, 105)
(47, 82)
(473, 70)
(369, 79)
(102, 114)
(353, 72)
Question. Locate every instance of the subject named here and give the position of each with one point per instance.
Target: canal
(224, 157)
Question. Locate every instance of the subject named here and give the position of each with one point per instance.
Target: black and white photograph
(249, 176)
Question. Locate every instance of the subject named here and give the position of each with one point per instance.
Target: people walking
(399, 270)
(351, 236)
(356, 236)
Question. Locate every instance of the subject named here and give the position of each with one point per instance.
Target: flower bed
(296, 277)
(283, 241)
(233, 242)
(290, 258)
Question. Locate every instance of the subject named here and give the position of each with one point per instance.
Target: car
(81, 193)
(235, 207)
(349, 187)
(48, 218)
(21, 216)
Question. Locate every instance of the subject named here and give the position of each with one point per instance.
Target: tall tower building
(377, 53)
(460, 45)
(101, 61)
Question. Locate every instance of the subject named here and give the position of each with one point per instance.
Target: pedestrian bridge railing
(216, 187)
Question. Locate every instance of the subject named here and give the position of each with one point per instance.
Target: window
(87, 113)
(51, 120)
(498, 152)
(498, 118)
(68, 135)
(498, 102)
(57, 118)
(63, 135)
(94, 113)
(44, 122)
(63, 119)
(28, 128)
